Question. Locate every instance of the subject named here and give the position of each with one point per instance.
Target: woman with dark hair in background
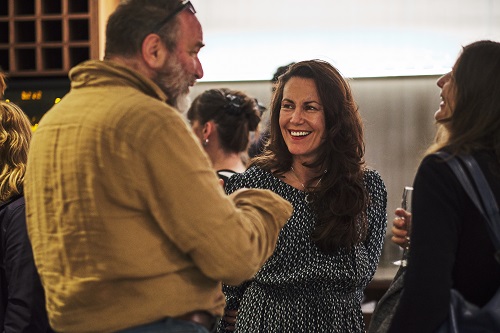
(450, 242)
(22, 300)
(222, 119)
(329, 249)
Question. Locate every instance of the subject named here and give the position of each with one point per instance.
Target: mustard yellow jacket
(125, 214)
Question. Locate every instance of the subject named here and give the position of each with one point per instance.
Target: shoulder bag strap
(487, 200)
(464, 180)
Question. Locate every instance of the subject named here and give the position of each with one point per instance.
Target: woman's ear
(154, 52)
(208, 128)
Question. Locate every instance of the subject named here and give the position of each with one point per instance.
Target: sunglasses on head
(185, 5)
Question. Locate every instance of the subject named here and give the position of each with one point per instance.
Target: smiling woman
(443, 215)
(301, 119)
(448, 93)
(330, 247)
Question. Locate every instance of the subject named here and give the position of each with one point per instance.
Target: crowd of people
(128, 228)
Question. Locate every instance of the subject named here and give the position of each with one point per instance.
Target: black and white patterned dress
(299, 288)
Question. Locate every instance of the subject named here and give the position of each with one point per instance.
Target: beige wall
(398, 118)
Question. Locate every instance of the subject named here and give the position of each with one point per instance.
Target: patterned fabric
(299, 288)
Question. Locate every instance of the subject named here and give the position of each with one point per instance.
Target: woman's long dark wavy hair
(475, 122)
(340, 200)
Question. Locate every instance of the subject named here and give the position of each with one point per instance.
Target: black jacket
(450, 247)
(22, 300)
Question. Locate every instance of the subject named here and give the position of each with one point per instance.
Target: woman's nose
(443, 79)
(296, 116)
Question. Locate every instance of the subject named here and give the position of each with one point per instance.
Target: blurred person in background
(262, 135)
(222, 119)
(22, 299)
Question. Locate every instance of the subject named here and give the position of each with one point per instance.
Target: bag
(465, 317)
(384, 310)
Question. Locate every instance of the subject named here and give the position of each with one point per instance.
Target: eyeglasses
(186, 4)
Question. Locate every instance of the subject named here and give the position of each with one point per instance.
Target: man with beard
(131, 230)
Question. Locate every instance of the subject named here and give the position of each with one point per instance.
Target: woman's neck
(231, 161)
(306, 174)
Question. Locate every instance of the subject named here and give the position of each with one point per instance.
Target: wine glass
(406, 205)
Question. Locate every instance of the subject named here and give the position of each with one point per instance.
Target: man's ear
(154, 52)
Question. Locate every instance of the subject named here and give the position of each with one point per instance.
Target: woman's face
(448, 97)
(301, 118)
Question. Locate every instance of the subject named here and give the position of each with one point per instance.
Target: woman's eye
(312, 108)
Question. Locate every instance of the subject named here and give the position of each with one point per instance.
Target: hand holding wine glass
(402, 225)
(399, 231)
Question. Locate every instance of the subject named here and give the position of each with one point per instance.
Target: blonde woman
(22, 301)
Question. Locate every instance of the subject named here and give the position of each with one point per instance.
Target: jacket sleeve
(25, 310)
(228, 237)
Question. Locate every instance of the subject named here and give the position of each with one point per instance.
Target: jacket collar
(107, 73)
